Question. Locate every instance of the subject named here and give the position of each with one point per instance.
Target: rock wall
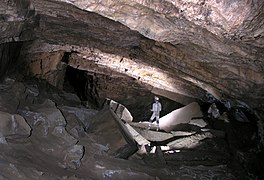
(180, 50)
(127, 51)
(45, 65)
(18, 20)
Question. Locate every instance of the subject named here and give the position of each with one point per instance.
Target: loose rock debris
(46, 137)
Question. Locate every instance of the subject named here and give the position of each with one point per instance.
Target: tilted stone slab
(180, 116)
(198, 122)
(121, 111)
(136, 136)
(140, 140)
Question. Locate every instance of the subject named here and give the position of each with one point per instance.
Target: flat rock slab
(181, 133)
(190, 141)
(144, 125)
(198, 122)
(152, 134)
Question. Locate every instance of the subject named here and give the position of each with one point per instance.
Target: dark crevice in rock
(84, 85)
(66, 56)
(126, 151)
(75, 81)
(9, 53)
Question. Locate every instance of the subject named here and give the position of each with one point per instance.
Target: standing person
(156, 108)
(213, 111)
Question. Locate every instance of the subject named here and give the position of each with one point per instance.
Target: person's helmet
(156, 98)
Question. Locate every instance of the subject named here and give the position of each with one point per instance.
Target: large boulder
(48, 124)
(13, 126)
(180, 116)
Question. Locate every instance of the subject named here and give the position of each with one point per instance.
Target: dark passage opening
(66, 57)
(9, 53)
(75, 82)
(84, 85)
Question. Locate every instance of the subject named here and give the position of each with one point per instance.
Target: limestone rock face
(127, 50)
(158, 16)
(17, 20)
(47, 66)
(177, 49)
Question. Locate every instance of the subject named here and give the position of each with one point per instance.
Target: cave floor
(48, 134)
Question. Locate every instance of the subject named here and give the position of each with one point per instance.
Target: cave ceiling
(177, 49)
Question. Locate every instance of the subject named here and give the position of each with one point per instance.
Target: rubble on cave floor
(48, 134)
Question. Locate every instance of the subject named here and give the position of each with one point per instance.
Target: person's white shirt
(214, 111)
(156, 107)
